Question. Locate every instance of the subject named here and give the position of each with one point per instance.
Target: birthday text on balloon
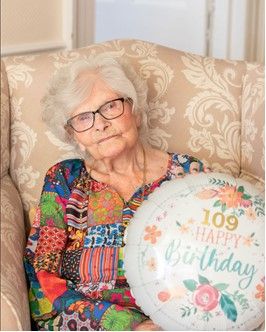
(204, 234)
(177, 253)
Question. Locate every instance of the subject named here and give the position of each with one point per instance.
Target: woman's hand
(148, 325)
(194, 168)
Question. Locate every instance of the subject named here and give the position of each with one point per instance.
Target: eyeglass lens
(109, 111)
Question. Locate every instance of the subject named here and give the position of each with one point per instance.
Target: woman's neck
(132, 171)
(127, 163)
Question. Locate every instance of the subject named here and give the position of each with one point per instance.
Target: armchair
(210, 108)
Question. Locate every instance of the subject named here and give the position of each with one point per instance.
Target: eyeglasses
(109, 111)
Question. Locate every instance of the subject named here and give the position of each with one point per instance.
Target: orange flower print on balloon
(207, 193)
(152, 264)
(177, 291)
(247, 241)
(261, 292)
(250, 213)
(250, 240)
(164, 296)
(152, 233)
(232, 197)
(260, 295)
(229, 196)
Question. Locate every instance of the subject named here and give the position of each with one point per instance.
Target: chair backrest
(210, 108)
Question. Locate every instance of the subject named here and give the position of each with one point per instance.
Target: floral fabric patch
(105, 207)
(48, 262)
(50, 239)
(118, 319)
(73, 321)
(75, 238)
(52, 210)
(110, 235)
(70, 265)
(94, 290)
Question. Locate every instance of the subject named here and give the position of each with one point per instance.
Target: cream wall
(35, 25)
(84, 23)
(255, 46)
(42, 25)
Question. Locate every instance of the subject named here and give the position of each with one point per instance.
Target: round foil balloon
(194, 254)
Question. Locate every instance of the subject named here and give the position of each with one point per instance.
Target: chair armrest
(5, 123)
(14, 294)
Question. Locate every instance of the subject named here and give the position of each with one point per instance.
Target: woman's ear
(69, 133)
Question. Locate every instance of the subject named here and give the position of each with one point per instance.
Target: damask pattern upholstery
(252, 125)
(212, 109)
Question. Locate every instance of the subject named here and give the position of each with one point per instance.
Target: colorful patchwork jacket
(74, 255)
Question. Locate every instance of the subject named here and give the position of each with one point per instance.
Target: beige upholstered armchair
(213, 109)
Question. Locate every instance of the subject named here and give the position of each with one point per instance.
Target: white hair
(68, 88)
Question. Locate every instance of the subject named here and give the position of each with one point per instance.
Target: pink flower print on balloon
(206, 297)
(246, 203)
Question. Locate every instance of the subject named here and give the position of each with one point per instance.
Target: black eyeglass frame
(95, 112)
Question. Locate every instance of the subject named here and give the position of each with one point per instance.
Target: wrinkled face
(107, 138)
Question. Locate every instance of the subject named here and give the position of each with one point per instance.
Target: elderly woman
(74, 255)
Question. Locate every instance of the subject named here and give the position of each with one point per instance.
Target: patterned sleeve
(51, 297)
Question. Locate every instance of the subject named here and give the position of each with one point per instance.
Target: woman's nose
(100, 123)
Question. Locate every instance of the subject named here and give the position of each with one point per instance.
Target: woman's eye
(109, 106)
(84, 117)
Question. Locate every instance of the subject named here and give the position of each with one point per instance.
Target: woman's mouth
(106, 138)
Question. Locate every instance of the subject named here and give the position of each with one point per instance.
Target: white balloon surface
(194, 254)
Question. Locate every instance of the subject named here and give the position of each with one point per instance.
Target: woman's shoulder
(182, 157)
(71, 163)
(68, 164)
(68, 170)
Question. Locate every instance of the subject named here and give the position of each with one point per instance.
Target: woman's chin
(111, 151)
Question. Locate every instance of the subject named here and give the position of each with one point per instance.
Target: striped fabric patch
(121, 270)
(99, 264)
(129, 210)
(76, 209)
